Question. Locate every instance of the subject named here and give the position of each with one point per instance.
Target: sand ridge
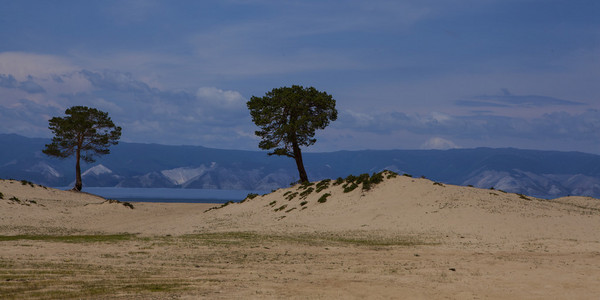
(405, 238)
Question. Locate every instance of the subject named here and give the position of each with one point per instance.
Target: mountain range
(546, 174)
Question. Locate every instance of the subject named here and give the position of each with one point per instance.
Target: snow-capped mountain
(538, 173)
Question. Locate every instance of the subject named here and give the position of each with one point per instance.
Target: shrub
(1, 196)
(407, 175)
(216, 207)
(376, 178)
(25, 182)
(15, 199)
(306, 192)
(281, 207)
(339, 181)
(292, 196)
(323, 198)
(349, 187)
(287, 211)
(523, 197)
(438, 183)
(323, 184)
(303, 203)
(249, 197)
(305, 185)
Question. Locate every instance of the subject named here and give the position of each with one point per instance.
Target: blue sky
(427, 74)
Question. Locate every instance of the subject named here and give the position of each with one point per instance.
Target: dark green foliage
(323, 184)
(376, 178)
(1, 196)
(523, 197)
(273, 203)
(15, 199)
(25, 182)
(281, 207)
(438, 183)
(306, 192)
(323, 198)
(126, 204)
(352, 182)
(219, 207)
(287, 193)
(339, 181)
(349, 187)
(287, 211)
(249, 197)
(407, 175)
(303, 203)
(85, 132)
(391, 174)
(305, 185)
(292, 196)
(470, 185)
(288, 118)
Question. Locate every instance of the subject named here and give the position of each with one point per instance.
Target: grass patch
(323, 198)
(126, 204)
(25, 182)
(69, 238)
(219, 207)
(323, 184)
(306, 192)
(368, 182)
(250, 196)
(281, 207)
(291, 196)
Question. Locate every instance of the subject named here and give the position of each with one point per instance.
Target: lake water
(169, 195)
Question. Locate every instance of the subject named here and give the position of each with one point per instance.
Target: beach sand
(406, 238)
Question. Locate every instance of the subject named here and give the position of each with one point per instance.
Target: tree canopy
(288, 118)
(85, 132)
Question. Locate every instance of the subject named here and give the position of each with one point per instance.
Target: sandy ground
(406, 238)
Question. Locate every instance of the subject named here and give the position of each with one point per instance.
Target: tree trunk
(78, 184)
(299, 163)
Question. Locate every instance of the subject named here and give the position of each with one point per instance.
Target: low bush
(323, 198)
(291, 196)
(323, 184)
(306, 192)
(281, 207)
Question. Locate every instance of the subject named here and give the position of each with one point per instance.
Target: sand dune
(404, 238)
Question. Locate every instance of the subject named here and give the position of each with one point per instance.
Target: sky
(419, 74)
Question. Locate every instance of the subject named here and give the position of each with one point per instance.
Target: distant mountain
(537, 173)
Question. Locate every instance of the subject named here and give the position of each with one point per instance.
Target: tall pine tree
(85, 132)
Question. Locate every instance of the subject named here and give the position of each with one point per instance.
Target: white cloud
(21, 65)
(220, 97)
